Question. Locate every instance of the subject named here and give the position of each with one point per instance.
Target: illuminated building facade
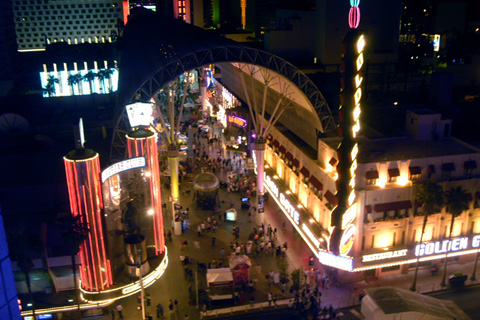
(386, 219)
(71, 21)
(82, 168)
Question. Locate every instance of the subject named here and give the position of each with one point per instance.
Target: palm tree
(72, 80)
(456, 200)
(89, 77)
(19, 242)
(50, 87)
(75, 232)
(430, 195)
(105, 74)
(79, 79)
(49, 90)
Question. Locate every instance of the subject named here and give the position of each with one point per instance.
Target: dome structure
(206, 181)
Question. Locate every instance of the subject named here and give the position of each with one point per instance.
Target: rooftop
(404, 148)
(393, 300)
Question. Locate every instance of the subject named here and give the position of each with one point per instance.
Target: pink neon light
(96, 165)
(91, 253)
(354, 17)
(96, 224)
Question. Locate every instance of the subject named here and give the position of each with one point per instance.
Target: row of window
(60, 28)
(20, 19)
(46, 14)
(399, 238)
(27, 43)
(65, 6)
(39, 37)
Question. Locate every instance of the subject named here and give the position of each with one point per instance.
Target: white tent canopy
(388, 303)
(219, 277)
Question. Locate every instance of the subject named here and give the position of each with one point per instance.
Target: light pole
(474, 277)
(142, 289)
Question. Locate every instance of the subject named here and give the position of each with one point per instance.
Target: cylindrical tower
(82, 168)
(143, 143)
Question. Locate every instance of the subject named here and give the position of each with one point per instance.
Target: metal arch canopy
(157, 49)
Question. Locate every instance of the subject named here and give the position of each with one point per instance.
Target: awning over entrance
(282, 149)
(470, 164)
(415, 170)
(316, 183)
(371, 175)
(275, 143)
(394, 172)
(392, 206)
(289, 156)
(333, 162)
(331, 198)
(305, 172)
(449, 166)
(296, 163)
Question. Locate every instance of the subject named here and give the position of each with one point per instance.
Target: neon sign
(282, 199)
(310, 235)
(118, 167)
(354, 14)
(349, 216)
(346, 242)
(384, 255)
(444, 246)
(237, 120)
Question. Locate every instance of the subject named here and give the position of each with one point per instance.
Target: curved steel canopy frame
(186, 57)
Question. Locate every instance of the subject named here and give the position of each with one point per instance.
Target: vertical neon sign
(343, 216)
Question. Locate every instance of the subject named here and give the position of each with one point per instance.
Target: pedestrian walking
(159, 311)
(269, 299)
(120, 311)
(170, 306)
(176, 304)
(112, 312)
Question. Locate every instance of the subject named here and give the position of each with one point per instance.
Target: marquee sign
(118, 167)
(444, 246)
(332, 260)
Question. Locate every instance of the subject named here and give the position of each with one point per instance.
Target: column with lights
(143, 143)
(82, 168)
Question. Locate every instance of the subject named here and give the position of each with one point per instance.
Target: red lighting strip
(96, 181)
(91, 242)
(78, 201)
(95, 245)
(126, 11)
